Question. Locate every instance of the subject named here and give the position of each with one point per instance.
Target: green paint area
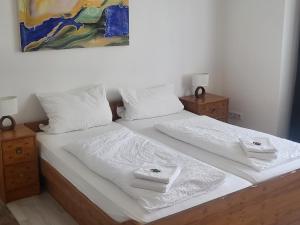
(70, 37)
(89, 15)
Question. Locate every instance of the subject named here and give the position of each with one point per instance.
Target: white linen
(151, 185)
(76, 110)
(108, 196)
(223, 139)
(146, 127)
(116, 154)
(167, 174)
(149, 102)
(262, 156)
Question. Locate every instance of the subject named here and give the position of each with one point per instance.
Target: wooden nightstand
(211, 105)
(19, 173)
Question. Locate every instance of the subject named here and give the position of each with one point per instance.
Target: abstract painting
(64, 24)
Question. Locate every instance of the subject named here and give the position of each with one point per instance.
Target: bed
(275, 201)
(108, 196)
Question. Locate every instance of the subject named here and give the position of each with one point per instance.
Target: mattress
(146, 127)
(108, 196)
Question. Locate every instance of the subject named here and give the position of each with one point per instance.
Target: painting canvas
(64, 24)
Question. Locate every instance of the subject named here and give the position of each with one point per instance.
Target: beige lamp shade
(8, 106)
(201, 79)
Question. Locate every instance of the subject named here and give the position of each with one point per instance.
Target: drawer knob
(19, 151)
(213, 110)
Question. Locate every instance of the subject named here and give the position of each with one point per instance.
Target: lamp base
(197, 95)
(9, 127)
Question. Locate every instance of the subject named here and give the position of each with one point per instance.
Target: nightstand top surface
(208, 98)
(20, 131)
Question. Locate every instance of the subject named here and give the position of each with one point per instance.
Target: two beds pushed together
(274, 201)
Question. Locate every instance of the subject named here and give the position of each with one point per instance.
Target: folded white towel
(151, 185)
(164, 174)
(262, 156)
(257, 145)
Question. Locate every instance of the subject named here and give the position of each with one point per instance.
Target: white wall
(259, 58)
(289, 63)
(252, 40)
(169, 39)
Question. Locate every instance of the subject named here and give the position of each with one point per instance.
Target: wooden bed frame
(274, 202)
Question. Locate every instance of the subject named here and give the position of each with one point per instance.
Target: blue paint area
(29, 35)
(117, 21)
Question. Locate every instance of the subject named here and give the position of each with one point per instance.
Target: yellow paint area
(101, 42)
(34, 44)
(34, 12)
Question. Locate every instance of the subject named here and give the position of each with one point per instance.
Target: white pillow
(150, 102)
(76, 110)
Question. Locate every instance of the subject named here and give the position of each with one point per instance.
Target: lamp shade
(8, 106)
(200, 80)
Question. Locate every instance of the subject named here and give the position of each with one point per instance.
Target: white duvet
(223, 139)
(116, 154)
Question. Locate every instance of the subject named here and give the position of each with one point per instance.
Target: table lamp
(200, 81)
(8, 107)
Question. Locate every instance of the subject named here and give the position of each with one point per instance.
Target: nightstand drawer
(21, 150)
(216, 110)
(21, 175)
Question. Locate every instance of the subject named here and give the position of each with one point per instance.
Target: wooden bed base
(274, 202)
(84, 211)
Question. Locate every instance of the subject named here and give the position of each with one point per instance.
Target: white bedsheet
(223, 139)
(108, 196)
(116, 154)
(146, 127)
